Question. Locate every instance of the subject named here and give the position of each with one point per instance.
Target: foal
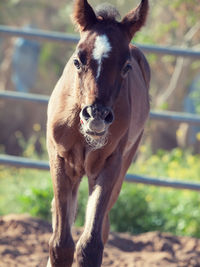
(96, 117)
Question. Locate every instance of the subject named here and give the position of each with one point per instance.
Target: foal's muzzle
(96, 119)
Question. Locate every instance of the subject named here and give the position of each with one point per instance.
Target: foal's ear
(135, 19)
(83, 15)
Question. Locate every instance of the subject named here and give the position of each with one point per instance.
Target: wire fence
(40, 35)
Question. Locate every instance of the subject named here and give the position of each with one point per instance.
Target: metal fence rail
(43, 99)
(155, 115)
(70, 38)
(175, 116)
(133, 178)
(20, 162)
(39, 35)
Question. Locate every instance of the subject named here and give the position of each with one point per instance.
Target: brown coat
(71, 156)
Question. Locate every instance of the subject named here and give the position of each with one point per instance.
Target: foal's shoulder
(137, 54)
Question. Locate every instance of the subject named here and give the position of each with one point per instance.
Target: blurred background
(169, 149)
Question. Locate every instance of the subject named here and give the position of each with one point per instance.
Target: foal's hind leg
(61, 245)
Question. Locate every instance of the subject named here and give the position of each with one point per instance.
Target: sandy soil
(24, 242)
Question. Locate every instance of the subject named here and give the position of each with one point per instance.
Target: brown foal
(96, 118)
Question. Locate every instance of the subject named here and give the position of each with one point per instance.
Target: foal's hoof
(89, 253)
(61, 254)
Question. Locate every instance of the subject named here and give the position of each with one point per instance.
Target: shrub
(37, 202)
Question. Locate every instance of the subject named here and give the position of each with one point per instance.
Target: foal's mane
(107, 12)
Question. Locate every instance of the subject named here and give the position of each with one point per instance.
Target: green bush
(131, 212)
(143, 208)
(177, 164)
(37, 202)
(21, 190)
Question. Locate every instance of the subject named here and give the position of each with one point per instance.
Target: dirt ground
(24, 242)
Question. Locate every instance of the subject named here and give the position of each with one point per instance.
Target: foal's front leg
(61, 245)
(89, 250)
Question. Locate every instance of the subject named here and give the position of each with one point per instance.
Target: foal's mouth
(92, 133)
(94, 140)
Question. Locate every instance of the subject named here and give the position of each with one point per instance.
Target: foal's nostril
(86, 113)
(109, 117)
(101, 113)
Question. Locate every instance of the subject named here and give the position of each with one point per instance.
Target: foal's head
(102, 61)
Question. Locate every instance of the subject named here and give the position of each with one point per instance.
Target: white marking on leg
(91, 208)
(101, 50)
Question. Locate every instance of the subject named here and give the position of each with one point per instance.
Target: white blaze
(101, 50)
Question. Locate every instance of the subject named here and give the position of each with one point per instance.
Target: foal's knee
(61, 252)
(89, 252)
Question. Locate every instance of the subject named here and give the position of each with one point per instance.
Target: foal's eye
(126, 69)
(77, 64)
